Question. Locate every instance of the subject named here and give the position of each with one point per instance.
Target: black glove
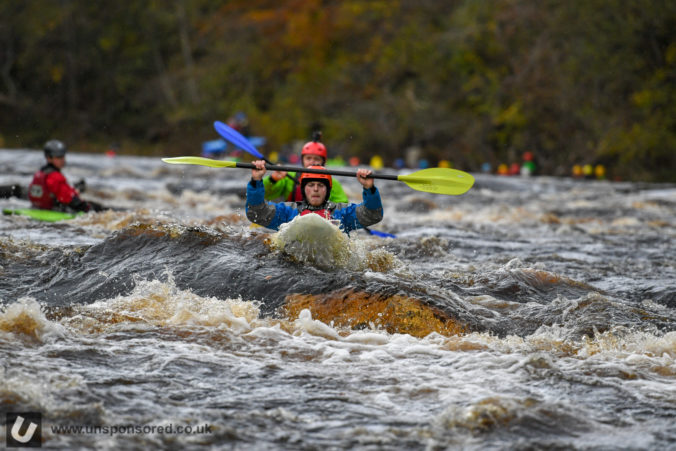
(81, 186)
(78, 204)
(95, 206)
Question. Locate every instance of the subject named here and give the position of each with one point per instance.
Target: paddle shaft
(275, 167)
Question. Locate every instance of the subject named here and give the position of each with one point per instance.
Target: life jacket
(325, 212)
(38, 193)
(50, 190)
(295, 195)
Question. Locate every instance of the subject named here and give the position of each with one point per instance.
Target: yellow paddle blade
(439, 181)
(201, 161)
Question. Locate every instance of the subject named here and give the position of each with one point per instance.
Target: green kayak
(41, 215)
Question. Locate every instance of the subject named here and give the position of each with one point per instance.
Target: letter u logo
(25, 437)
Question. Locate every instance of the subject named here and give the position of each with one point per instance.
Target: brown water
(527, 314)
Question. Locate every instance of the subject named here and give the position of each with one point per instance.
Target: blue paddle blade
(380, 234)
(236, 138)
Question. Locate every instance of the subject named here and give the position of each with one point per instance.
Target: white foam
(305, 323)
(311, 239)
(25, 319)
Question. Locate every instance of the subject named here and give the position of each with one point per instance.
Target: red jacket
(50, 188)
(296, 195)
(324, 212)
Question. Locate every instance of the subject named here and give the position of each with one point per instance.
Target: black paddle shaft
(275, 167)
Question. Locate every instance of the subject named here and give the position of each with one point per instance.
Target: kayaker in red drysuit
(316, 189)
(50, 190)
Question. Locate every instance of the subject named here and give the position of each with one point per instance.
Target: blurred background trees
(470, 81)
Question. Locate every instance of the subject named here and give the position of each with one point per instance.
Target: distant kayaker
(315, 189)
(285, 185)
(50, 190)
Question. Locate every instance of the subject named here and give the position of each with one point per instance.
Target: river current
(528, 313)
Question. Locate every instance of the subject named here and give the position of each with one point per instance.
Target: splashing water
(311, 239)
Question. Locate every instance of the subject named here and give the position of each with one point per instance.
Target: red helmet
(314, 148)
(307, 177)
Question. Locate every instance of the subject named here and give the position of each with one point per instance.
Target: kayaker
(285, 185)
(315, 189)
(50, 190)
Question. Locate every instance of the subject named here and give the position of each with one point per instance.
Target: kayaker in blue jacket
(316, 189)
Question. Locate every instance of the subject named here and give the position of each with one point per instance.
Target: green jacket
(284, 187)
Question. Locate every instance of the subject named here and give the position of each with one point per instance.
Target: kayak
(41, 215)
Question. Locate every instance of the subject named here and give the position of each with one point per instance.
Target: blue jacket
(272, 215)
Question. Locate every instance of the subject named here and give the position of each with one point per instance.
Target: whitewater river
(526, 314)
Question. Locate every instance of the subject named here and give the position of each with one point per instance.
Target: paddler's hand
(278, 175)
(259, 172)
(361, 176)
(80, 186)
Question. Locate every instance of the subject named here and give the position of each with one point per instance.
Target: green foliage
(467, 80)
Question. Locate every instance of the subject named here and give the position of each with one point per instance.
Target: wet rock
(361, 310)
